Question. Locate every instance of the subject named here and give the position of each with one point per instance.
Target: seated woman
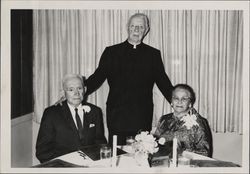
(191, 130)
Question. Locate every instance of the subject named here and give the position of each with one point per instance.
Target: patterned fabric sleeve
(164, 127)
(202, 144)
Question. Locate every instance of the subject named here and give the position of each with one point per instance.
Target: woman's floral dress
(197, 138)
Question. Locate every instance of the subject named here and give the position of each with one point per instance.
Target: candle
(174, 151)
(114, 150)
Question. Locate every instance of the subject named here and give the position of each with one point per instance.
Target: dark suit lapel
(86, 122)
(68, 117)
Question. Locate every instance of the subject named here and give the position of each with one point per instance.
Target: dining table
(89, 157)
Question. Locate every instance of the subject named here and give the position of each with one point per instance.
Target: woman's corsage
(189, 121)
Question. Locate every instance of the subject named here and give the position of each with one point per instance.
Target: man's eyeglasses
(183, 100)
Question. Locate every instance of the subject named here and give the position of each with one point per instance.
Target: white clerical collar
(134, 45)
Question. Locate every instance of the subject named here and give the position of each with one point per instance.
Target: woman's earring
(171, 104)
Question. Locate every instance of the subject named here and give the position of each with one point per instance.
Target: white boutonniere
(86, 108)
(189, 121)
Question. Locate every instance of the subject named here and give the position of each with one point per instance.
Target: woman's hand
(162, 141)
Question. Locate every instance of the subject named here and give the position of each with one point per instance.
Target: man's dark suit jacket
(58, 134)
(131, 74)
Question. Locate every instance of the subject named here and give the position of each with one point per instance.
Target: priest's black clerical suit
(131, 73)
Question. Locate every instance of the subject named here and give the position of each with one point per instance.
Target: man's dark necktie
(79, 123)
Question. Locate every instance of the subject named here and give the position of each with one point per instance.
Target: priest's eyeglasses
(137, 27)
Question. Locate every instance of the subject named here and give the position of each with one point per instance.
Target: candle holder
(141, 158)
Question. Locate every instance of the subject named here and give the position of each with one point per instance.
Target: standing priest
(131, 69)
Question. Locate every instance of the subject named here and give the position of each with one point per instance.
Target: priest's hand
(59, 102)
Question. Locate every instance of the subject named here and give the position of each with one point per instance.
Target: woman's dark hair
(188, 88)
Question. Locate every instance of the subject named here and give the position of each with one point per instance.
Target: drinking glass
(183, 161)
(106, 155)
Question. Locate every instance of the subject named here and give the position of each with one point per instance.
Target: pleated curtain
(203, 48)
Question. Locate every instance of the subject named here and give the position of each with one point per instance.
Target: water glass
(106, 155)
(183, 161)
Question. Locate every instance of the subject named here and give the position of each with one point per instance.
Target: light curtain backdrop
(201, 48)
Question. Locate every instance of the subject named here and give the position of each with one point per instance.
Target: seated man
(65, 128)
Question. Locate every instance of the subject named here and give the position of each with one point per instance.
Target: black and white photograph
(124, 86)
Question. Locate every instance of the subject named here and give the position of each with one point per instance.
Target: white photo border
(8, 5)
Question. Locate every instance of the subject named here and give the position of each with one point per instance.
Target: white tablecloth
(123, 161)
(195, 156)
